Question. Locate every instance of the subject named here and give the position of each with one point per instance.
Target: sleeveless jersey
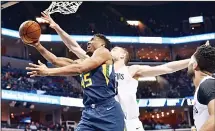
(200, 111)
(127, 89)
(98, 84)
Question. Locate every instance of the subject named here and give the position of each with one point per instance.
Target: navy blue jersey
(98, 84)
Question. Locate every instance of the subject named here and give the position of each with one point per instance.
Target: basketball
(29, 32)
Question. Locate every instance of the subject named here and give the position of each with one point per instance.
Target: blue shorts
(105, 116)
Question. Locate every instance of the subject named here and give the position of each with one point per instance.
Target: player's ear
(195, 66)
(122, 56)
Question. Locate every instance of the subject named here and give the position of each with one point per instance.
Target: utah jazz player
(102, 112)
(125, 75)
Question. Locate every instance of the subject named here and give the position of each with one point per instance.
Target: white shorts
(134, 125)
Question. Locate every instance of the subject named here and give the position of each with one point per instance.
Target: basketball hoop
(66, 7)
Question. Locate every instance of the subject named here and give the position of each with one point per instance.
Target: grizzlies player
(126, 76)
(102, 112)
(200, 70)
(127, 83)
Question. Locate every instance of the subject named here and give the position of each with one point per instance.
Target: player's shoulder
(103, 54)
(102, 49)
(133, 69)
(207, 86)
(206, 91)
(208, 83)
(137, 67)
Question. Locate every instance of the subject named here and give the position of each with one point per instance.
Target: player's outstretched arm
(68, 41)
(100, 56)
(150, 71)
(57, 61)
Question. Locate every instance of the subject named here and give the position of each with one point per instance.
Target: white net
(65, 7)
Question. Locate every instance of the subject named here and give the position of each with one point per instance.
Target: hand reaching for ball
(46, 18)
(37, 70)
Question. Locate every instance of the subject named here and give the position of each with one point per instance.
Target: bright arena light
(173, 111)
(197, 19)
(133, 22)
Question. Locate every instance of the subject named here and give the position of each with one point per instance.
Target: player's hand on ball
(37, 70)
(46, 18)
(34, 44)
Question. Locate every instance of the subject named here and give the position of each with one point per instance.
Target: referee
(201, 69)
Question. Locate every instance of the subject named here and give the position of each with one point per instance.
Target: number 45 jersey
(98, 84)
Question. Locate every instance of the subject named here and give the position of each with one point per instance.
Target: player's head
(97, 41)
(203, 60)
(119, 53)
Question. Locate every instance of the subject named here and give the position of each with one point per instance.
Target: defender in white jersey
(200, 69)
(127, 83)
(126, 76)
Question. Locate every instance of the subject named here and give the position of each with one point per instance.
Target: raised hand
(37, 70)
(46, 18)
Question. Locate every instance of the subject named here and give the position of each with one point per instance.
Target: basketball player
(200, 69)
(126, 76)
(102, 112)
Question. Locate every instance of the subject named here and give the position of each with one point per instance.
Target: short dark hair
(105, 39)
(205, 57)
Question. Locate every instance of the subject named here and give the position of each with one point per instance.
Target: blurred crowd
(148, 124)
(174, 85)
(181, 85)
(35, 126)
(151, 124)
(18, 80)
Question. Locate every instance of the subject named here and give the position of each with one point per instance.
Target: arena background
(164, 33)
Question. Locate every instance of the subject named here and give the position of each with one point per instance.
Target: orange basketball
(29, 31)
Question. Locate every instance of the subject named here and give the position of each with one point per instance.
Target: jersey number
(86, 81)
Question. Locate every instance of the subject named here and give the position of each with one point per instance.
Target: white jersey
(127, 89)
(200, 111)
